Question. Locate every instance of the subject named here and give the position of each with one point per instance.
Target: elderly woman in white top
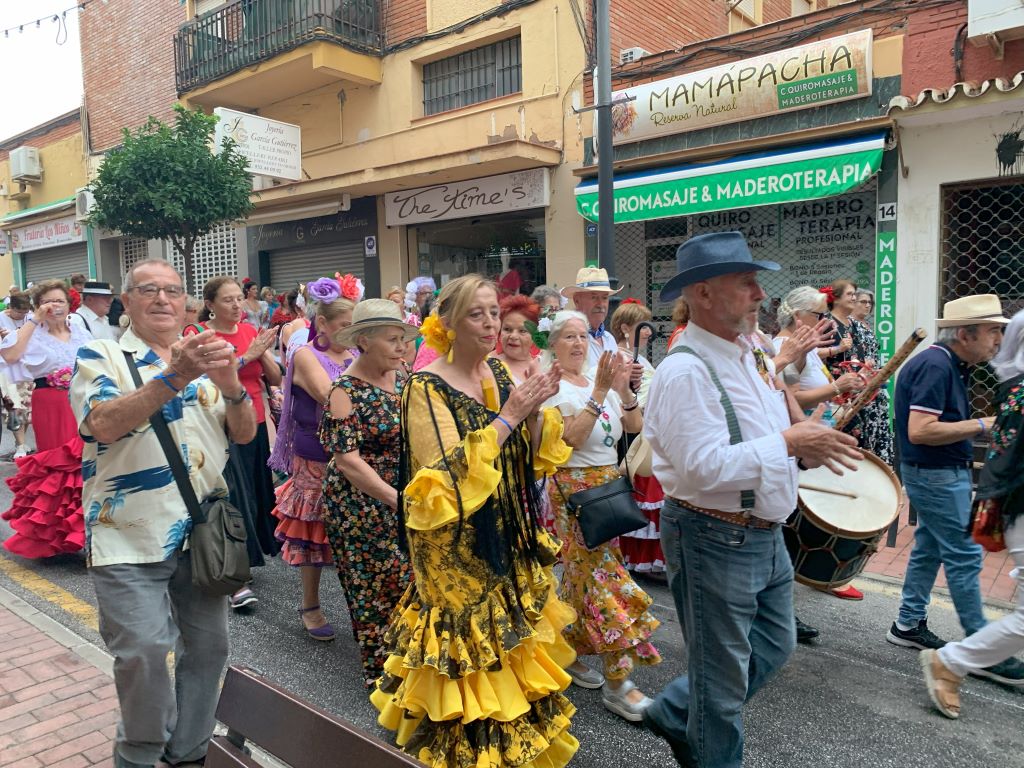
(613, 620)
(808, 378)
(46, 511)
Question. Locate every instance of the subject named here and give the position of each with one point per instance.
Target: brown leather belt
(736, 518)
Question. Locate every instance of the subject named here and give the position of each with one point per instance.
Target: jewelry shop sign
(272, 148)
(46, 234)
(823, 72)
(515, 191)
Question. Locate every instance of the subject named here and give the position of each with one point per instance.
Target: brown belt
(736, 518)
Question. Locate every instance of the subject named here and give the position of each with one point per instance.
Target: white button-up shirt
(685, 424)
(599, 346)
(99, 327)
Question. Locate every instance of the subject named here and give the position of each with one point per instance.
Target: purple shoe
(324, 633)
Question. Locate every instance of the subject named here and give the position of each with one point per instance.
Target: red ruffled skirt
(641, 549)
(300, 510)
(46, 513)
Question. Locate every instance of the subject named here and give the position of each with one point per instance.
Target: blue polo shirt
(935, 382)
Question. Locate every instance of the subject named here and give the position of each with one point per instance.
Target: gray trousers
(145, 611)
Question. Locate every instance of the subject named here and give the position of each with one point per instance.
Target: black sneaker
(921, 638)
(1009, 672)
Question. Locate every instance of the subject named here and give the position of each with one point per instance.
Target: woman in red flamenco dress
(46, 513)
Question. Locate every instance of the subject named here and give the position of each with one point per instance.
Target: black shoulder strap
(171, 451)
(81, 317)
(735, 435)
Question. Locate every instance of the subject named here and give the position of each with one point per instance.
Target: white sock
(903, 627)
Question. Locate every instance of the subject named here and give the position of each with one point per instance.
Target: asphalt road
(850, 700)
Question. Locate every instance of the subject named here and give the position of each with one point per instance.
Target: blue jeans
(942, 498)
(733, 589)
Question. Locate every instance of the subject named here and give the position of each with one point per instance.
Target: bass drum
(840, 520)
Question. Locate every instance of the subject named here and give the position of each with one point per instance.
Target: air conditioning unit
(993, 22)
(84, 203)
(25, 165)
(629, 55)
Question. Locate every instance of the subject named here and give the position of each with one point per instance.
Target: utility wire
(58, 17)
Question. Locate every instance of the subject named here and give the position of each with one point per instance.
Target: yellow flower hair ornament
(435, 335)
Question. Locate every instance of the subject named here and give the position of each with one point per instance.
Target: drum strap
(735, 436)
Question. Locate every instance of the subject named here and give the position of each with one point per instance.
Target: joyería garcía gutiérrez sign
(272, 148)
(822, 72)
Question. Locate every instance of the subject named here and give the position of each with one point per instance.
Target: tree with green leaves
(165, 183)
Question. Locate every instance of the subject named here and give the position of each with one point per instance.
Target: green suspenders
(735, 436)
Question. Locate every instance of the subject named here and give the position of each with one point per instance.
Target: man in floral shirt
(137, 523)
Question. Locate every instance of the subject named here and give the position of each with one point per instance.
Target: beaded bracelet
(982, 425)
(593, 404)
(633, 405)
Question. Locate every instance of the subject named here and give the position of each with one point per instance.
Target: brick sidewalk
(56, 709)
(996, 583)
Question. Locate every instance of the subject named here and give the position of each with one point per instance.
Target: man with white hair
(590, 296)
(935, 426)
(137, 524)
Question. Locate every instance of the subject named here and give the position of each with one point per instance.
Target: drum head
(855, 503)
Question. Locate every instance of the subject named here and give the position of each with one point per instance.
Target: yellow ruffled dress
(477, 660)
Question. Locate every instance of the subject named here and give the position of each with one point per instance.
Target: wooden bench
(290, 729)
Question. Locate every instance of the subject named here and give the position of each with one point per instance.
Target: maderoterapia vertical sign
(822, 72)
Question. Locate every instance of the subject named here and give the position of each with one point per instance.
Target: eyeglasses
(817, 315)
(866, 302)
(150, 290)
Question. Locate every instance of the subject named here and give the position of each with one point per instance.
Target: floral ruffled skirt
(300, 510)
(481, 687)
(613, 617)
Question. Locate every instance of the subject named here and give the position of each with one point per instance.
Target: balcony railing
(246, 32)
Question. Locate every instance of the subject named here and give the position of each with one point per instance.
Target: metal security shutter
(55, 263)
(292, 266)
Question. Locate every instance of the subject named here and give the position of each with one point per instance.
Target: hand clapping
(203, 353)
(527, 398)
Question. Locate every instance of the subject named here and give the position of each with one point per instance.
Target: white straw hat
(375, 313)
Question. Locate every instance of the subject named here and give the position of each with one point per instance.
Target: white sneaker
(21, 453)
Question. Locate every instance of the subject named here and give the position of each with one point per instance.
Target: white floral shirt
(133, 510)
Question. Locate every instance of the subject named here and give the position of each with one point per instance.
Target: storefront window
(509, 249)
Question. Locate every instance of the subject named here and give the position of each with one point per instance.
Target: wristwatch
(236, 400)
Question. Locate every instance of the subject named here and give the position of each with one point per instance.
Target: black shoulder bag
(220, 560)
(605, 511)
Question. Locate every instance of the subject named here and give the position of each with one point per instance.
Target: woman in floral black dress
(361, 429)
(852, 340)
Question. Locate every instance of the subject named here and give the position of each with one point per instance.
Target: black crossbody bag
(217, 543)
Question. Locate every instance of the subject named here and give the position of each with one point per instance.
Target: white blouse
(596, 451)
(45, 353)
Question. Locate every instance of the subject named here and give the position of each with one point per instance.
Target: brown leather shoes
(943, 685)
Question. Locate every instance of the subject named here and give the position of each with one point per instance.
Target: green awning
(799, 173)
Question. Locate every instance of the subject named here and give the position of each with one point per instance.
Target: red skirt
(53, 421)
(641, 549)
(46, 513)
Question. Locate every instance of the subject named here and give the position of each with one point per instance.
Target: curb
(81, 647)
(992, 602)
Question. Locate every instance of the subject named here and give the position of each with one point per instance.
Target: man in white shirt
(726, 454)
(96, 300)
(590, 296)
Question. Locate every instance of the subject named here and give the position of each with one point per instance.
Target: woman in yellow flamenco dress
(476, 664)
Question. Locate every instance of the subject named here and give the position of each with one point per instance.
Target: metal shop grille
(215, 253)
(983, 252)
(815, 242)
(473, 76)
(136, 249)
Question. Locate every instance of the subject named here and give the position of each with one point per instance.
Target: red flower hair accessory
(351, 286)
(827, 290)
(631, 300)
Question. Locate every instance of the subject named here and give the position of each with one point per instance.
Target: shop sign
(4, 245)
(271, 147)
(885, 294)
(516, 191)
(353, 225)
(823, 72)
(46, 234)
(697, 191)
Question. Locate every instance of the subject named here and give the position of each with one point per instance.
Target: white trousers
(998, 640)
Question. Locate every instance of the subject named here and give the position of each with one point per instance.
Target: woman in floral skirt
(361, 431)
(475, 668)
(614, 621)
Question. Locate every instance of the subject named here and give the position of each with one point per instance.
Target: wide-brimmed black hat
(706, 256)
